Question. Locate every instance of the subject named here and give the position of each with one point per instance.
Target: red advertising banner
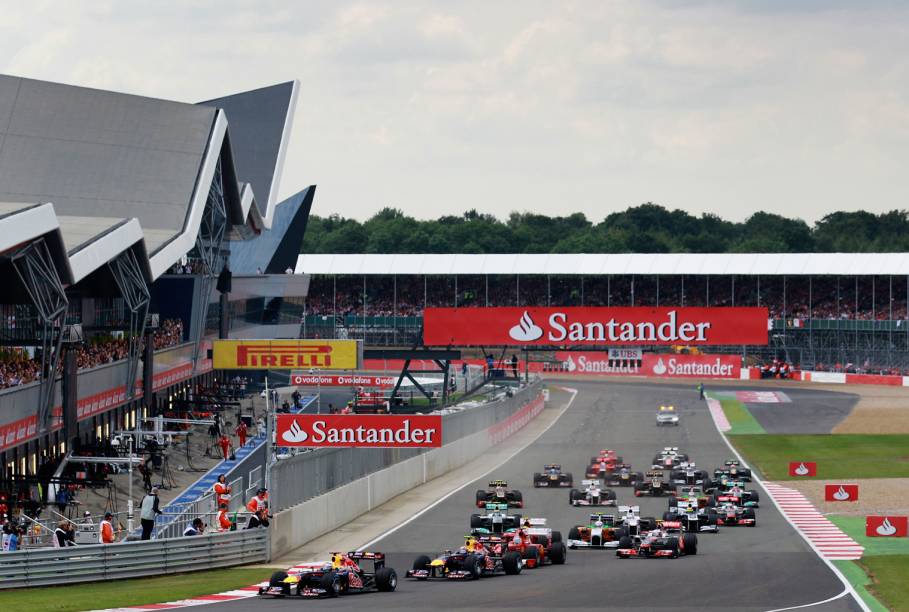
(805, 469)
(841, 492)
(886, 526)
(341, 380)
(574, 326)
(359, 430)
(691, 366)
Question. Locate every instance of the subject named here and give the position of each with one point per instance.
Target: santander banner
(804, 469)
(573, 326)
(841, 492)
(886, 526)
(691, 366)
(342, 380)
(359, 431)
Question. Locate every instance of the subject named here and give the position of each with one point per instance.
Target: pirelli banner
(287, 354)
(578, 326)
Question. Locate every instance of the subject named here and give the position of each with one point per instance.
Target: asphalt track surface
(768, 567)
(810, 412)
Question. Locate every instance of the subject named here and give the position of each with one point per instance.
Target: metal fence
(296, 479)
(53, 566)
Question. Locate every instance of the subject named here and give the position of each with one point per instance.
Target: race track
(764, 568)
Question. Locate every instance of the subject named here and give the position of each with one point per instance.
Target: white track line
(848, 590)
(574, 394)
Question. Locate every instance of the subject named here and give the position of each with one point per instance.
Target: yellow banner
(285, 354)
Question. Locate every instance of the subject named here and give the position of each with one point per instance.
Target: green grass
(740, 418)
(854, 526)
(121, 593)
(888, 579)
(838, 456)
(860, 581)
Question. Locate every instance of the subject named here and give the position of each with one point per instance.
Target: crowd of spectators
(865, 298)
(18, 368)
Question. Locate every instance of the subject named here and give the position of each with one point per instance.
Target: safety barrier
(53, 566)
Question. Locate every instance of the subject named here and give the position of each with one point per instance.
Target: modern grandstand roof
(769, 264)
(104, 172)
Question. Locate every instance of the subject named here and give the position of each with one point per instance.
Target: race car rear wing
(552, 466)
(498, 483)
(627, 509)
(590, 483)
(654, 473)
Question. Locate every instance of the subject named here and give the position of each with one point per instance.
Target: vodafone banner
(573, 326)
(341, 380)
(359, 431)
(691, 366)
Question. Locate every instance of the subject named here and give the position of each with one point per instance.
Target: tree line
(648, 228)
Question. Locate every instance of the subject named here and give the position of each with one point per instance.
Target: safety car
(667, 415)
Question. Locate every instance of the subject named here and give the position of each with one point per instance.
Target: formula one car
(592, 495)
(734, 471)
(604, 463)
(693, 493)
(552, 476)
(688, 474)
(537, 543)
(668, 458)
(605, 530)
(667, 541)
(667, 415)
(475, 559)
(734, 491)
(731, 514)
(654, 484)
(499, 492)
(692, 517)
(496, 519)
(341, 575)
(622, 476)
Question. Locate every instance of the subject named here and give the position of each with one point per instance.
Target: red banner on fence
(573, 326)
(341, 380)
(886, 526)
(359, 430)
(805, 469)
(841, 492)
(691, 366)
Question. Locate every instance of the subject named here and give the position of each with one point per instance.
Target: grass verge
(740, 418)
(860, 581)
(888, 579)
(121, 593)
(854, 527)
(838, 456)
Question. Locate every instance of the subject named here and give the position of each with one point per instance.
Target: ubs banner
(286, 354)
(578, 326)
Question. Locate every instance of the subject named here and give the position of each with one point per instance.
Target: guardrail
(53, 566)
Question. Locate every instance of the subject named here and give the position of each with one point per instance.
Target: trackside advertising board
(359, 431)
(576, 326)
(286, 354)
(691, 366)
(341, 380)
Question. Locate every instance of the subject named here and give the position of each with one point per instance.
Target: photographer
(197, 528)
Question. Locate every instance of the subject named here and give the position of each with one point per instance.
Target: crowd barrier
(55, 566)
(837, 378)
(303, 522)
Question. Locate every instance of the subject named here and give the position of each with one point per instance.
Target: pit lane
(764, 568)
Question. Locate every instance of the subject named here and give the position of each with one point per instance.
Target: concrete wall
(315, 517)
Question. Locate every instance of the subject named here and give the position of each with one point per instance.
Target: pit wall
(315, 517)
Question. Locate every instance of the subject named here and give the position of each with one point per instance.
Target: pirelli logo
(285, 354)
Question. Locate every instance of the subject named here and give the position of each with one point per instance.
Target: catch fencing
(55, 566)
(297, 479)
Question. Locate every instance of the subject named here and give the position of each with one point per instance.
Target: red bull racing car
(552, 476)
(342, 575)
(481, 555)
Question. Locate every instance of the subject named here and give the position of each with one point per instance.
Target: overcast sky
(553, 107)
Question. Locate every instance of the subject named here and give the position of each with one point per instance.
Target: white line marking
(574, 394)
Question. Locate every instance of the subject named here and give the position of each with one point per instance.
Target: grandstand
(118, 215)
(828, 311)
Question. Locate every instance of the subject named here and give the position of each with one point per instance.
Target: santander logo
(659, 368)
(886, 528)
(802, 469)
(570, 365)
(294, 434)
(526, 330)
(841, 494)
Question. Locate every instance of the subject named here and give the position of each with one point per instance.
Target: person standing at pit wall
(148, 511)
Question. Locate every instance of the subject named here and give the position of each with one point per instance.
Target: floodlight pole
(129, 502)
(268, 444)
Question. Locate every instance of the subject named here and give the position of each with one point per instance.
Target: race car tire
(648, 523)
(689, 543)
(476, 521)
(674, 547)
(331, 583)
(556, 536)
(386, 579)
(754, 496)
(277, 579)
(574, 533)
(609, 495)
(749, 513)
(481, 497)
(537, 477)
(511, 563)
(573, 495)
(472, 566)
(518, 496)
(422, 562)
(569, 479)
(557, 553)
(625, 542)
(532, 552)
(712, 517)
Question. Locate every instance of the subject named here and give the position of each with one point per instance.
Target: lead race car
(342, 575)
(481, 555)
(552, 476)
(668, 458)
(592, 495)
(500, 493)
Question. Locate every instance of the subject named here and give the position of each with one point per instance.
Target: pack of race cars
(500, 539)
